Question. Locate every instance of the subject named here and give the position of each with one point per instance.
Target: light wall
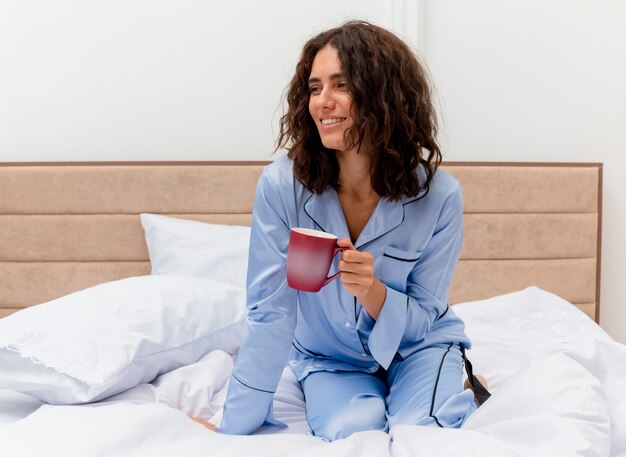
(545, 81)
(519, 80)
(153, 79)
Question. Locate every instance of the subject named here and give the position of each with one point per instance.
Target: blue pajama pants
(423, 389)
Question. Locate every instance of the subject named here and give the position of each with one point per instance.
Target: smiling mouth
(335, 120)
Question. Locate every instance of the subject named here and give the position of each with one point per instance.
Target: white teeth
(332, 121)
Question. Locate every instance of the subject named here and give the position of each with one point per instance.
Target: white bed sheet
(557, 382)
(15, 406)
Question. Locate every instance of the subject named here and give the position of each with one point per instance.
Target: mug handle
(331, 278)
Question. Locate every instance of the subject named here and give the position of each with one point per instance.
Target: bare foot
(482, 380)
(208, 425)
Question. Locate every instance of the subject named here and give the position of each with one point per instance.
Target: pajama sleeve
(410, 315)
(271, 318)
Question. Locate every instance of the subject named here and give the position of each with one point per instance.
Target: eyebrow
(333, 77)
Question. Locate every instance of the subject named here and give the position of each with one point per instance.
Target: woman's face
(330, 103)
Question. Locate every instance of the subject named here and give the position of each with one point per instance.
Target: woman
(381, 346)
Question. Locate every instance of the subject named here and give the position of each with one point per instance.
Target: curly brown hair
(391, 97)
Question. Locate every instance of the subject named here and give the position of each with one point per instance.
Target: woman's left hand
(357, 276)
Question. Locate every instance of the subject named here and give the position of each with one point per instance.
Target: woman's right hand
(207, 424)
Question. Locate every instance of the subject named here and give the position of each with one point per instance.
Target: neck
(354, 174)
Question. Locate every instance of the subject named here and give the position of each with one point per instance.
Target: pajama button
(348, 324)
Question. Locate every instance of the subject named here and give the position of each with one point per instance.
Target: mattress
(556, 378)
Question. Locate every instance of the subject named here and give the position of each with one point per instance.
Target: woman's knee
(450, 413)
(366, 412)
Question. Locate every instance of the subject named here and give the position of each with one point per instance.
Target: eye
(342, 85)
(314, 89)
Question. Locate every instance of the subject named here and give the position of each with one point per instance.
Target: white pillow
(100, 341)
(508, 330)
(193, 248)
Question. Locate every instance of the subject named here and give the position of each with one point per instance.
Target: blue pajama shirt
(416, 242)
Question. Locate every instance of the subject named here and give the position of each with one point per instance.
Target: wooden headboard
(67, 226)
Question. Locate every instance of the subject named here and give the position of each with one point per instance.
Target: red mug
(309, 257)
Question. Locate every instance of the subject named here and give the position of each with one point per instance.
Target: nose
(325, 99)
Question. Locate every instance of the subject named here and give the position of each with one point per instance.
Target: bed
(137, 269)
